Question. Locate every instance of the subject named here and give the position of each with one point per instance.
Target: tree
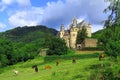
(57, 46)
(111, 35)
(112, 49)
(114, 17)
(6, 51)
(47, 38)
(81, 35)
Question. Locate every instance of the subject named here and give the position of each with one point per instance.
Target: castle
(70, 35)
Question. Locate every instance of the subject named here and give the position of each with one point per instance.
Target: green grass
(65, 71)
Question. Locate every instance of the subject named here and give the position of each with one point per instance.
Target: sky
(51, 13)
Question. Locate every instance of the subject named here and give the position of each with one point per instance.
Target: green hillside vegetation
(28, 34)
(106, 34)
(98, 34)
(23, 43)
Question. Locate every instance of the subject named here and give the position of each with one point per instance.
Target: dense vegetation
(57, 46)
(22, 43)
(82, 34)
(28, 34)
(109, 38)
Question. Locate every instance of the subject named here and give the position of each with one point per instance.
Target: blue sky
(52, 13)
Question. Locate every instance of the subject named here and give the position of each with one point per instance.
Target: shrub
(93, 48)
(57, 46)
(112, 49)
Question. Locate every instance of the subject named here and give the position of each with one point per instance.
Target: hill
(113, 33)
(23, 43)
(97, 34)
(28, 34)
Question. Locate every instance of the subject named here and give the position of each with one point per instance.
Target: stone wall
(89, 43)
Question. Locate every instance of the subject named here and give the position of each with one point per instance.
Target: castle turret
(89, 30)
(62, 30)
(74, 22)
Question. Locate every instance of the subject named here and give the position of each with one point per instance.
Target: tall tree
(6, 51)
(57, 46)
(111, 36)
(81, 35)
(114, 17)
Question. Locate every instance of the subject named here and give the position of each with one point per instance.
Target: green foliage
(57, 46)
(108, 39)
(28, 34)
(114, 17)
(6, 50)
(112, 48)
(82, 34)
(93, 48)
(108, 74)
(23, 43)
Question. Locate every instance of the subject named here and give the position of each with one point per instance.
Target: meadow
(86, 64)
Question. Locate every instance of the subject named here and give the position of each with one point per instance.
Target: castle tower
(62, 30)
(74, 22)
(89, 30)
(73, 35)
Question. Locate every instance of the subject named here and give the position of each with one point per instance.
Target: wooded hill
(28, 34)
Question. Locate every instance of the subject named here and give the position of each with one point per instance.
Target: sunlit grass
(65, 71)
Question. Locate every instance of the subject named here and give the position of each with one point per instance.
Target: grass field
(65, 71)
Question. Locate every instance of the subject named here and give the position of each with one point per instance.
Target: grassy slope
(65, 71)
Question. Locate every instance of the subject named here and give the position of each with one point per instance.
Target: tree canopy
(57, 46)
(114, 18)
(111, 36)
(81, 35)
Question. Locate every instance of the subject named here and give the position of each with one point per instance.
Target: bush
(112, 49)
(93, 48)
(57, 46)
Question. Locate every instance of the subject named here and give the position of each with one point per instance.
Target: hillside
(28, 34)
(98, 33)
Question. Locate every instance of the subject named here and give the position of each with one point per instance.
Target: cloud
(29, 17)
(2, 25)
(6, 3)
(60, 12)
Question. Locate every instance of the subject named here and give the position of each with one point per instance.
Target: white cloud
(97, 27)
(26, 17)
(24, 2)
(63, 12)
(2, 8)
(20, 2)
(2, 25)
(59, 12)
(6, 3)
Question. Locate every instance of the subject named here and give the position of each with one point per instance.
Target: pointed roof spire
(74, 21)
(62, 27)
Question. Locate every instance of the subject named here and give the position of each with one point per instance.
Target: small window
(73, 34)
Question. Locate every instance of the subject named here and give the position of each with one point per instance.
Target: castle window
(73, 34)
